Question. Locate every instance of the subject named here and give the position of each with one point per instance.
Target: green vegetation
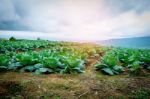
(57, 57)
(30, 45)
(65, 61)
(118, 60)
(12, 39)
(44, 57)
(140, 94)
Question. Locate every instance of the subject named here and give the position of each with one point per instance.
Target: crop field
(41, 69)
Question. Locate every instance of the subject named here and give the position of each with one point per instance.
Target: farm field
(44, 69)
(74, 49)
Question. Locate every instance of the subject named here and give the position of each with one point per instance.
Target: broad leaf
(108, 71)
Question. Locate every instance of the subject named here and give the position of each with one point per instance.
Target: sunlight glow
(85, 19)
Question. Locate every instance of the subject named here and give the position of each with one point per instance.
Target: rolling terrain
(136, 42)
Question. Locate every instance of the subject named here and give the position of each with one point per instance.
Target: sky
(74, 19)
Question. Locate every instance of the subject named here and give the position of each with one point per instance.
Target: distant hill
(136, 42)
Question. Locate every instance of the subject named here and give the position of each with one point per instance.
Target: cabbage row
(119, 60)
(26, 45)
(54, 60)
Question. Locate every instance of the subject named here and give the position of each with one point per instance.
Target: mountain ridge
(134, 42)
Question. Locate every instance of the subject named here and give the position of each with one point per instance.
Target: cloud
(7, 11)
(121, 6)
(82, 19)
(131, 23)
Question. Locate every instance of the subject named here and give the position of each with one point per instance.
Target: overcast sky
(75, 19)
